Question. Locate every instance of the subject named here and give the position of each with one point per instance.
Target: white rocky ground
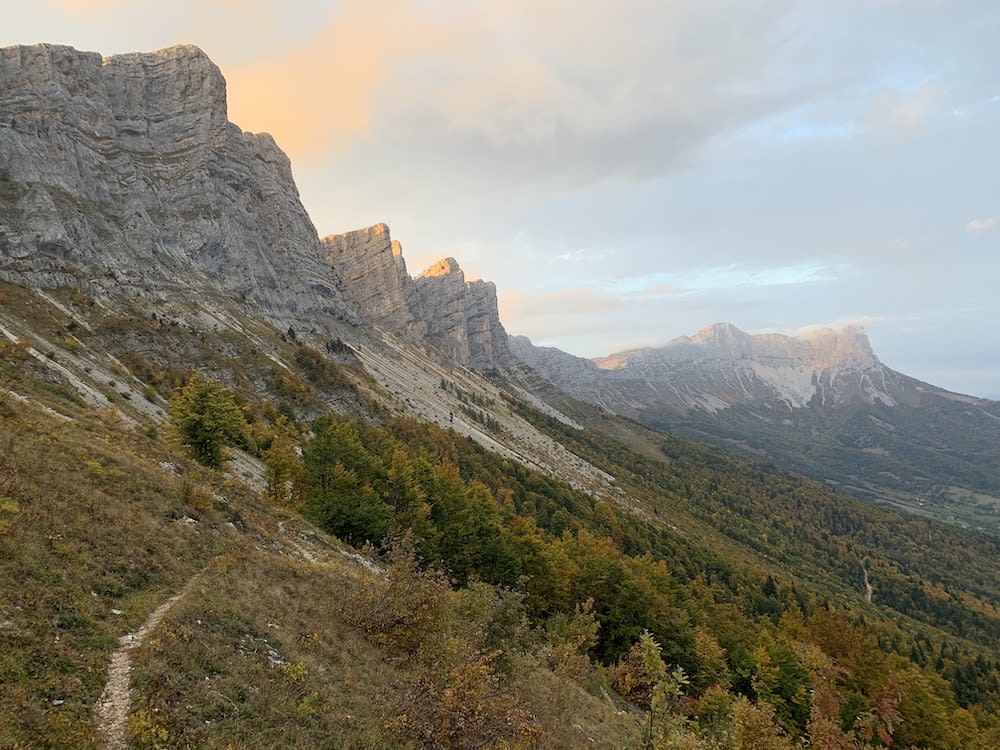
(415, 381)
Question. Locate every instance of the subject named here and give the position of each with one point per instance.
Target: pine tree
(207, 419)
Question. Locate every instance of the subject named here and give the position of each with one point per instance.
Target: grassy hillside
(697, 600)
(287, 638)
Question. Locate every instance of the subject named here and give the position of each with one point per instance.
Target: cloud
(906, 111)
(319, 96)
(910, 112)
(83, 7)
(981, 225)
(562, 90)
(517, 305)
(658, 290)
(816, 329)
(719, 278)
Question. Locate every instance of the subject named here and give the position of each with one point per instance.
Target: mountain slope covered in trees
(524, 599)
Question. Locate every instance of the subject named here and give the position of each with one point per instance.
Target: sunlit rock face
(124, 175)
(462, 316)
(371, 264)
(441, 290)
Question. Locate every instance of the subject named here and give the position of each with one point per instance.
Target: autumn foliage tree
(207, 419)
(756, 662)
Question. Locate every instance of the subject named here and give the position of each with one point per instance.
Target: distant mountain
(821, 403)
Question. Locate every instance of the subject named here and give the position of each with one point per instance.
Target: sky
(628, 172)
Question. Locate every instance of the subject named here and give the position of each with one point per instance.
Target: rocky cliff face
(439, 307)
(488, 345)
(462, 316)
(441, 290)
(123, 174)
(371, 264)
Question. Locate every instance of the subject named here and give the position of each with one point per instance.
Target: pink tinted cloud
(83, 7)
(501, 72)
(981, 225)
(517, 305)
(323, 94)
(373, 59)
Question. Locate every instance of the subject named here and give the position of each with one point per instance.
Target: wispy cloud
(910, 112)
(505, 82)
(323, 94)
(80, 7)
(814, 329)
(903, 111)
(516, 304)
(981, 225)
(720, 278)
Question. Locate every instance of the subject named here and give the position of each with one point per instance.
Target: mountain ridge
(540, 540)
(770, 358)
(822, 404)
(124, 175)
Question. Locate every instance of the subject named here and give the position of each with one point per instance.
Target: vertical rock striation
(462, 316)
(372, 265)
(441, 290)
(124, 174)
(439, 307)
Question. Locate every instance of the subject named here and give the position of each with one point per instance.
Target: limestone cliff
(721, 366)
(462, 316)
(439, 307)
(124, 175)
(372, 265)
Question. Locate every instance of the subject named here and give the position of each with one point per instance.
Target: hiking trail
(111, 711)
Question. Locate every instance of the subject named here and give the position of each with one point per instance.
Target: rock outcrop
(441, 290)
(371, 264)
(124, 175)
(438, 308)
(462, 317)
(488, 348)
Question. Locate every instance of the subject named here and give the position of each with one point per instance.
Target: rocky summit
(821, 403)
(721, 366)
(439, 307)
(123, 175)
(372, 266)
(463, 315)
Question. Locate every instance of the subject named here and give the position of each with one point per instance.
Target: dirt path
(111, 712)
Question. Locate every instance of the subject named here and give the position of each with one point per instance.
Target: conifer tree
(207, 419)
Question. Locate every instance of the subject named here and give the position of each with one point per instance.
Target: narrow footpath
(111, 711)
